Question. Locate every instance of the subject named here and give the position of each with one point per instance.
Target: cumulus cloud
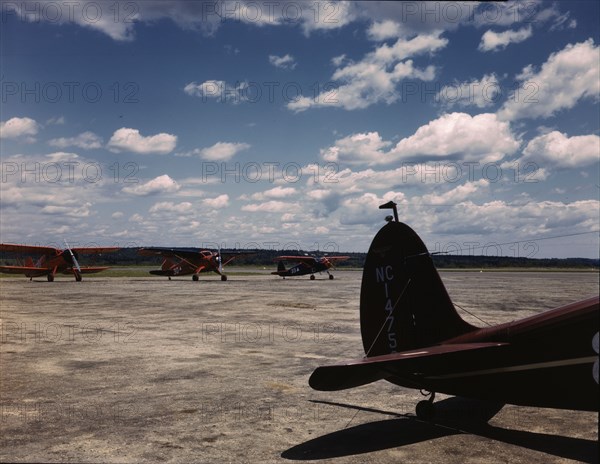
(220, 91)
(495, 41)
(283, 62)
(561, 151)
(19, 127)
(125, 139)
(170, 207)
(480, 93)
(276, 193)
(374, 78)
(86, 140)
(568, 76)
(384, 30)
(160, 184)
(272, 206)
(220, 151)
(481, 138)
(218, 202)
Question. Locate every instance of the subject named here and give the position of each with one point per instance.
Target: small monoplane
(189, 261)
(51, 261)
(306, 265)
(413, 337)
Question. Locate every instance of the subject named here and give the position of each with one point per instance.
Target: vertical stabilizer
(403, 302)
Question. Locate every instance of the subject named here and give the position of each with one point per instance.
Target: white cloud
(561, 151)
(567, 77)
(383, 30)
(482, 138)
(276, 192)
(125, 139)
(220, 91)
(494, 41)
(456, 195)
(117, 215)
(86, 140)
(375, 77)
(221, 151)
(272, 206)
(480, 93)
(19, 127)
(218, 202)
(283, 62)
(160, 184)
(170, 207)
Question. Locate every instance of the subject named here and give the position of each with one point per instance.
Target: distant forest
(266, 258)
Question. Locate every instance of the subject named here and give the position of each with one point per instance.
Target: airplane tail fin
(403, 302)
(280, 266)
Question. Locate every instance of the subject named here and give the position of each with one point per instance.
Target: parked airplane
(186, 261)
(52, 260)
(413, 337)
(306, 265)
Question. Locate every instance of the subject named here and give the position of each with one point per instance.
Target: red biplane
(51, 261)
(306, 265)
(186, 261)
(413, 337)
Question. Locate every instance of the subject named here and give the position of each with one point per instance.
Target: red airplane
(186, 261)
(413, 337)
(52, 261)
(306, 265)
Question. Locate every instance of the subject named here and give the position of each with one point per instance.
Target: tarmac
(120, 370)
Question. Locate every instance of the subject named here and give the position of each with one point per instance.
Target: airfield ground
(142, 369)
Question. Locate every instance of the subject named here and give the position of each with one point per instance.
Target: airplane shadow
(453, 416)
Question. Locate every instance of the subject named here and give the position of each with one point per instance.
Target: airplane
(413, 337)
(306, 265)
(52, 261)
(186, 261)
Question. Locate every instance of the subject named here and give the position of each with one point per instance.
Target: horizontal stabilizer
(367, 370)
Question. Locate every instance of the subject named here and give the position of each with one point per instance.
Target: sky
(285, 124)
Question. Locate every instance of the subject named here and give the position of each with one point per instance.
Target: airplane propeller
(76, 266)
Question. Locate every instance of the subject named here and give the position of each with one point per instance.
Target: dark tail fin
(280, 266)
(403, 302)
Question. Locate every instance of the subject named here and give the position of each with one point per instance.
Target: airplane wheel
(330, 277)
(223, 278)
(425, 410)
(50, 278)
(77, 278)
(195, 278)
(312, 277)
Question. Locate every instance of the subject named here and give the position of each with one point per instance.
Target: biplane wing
(94, 250)
(29, 249)
(27, 270)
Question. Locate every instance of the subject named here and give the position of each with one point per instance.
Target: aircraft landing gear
(50, 278)
(195, 278)
(426, 409)
(77, 278)
(169, 277)
(223, 278)
(312, 277)
(330, 276)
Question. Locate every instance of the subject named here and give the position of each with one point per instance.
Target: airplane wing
(87, 270)
(298, 259)
(170, 252)
(337, 258)
(36, 250)
(94, 250)
(23, 270)
(407, 363)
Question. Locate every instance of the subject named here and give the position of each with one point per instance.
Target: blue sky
(285, 124)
